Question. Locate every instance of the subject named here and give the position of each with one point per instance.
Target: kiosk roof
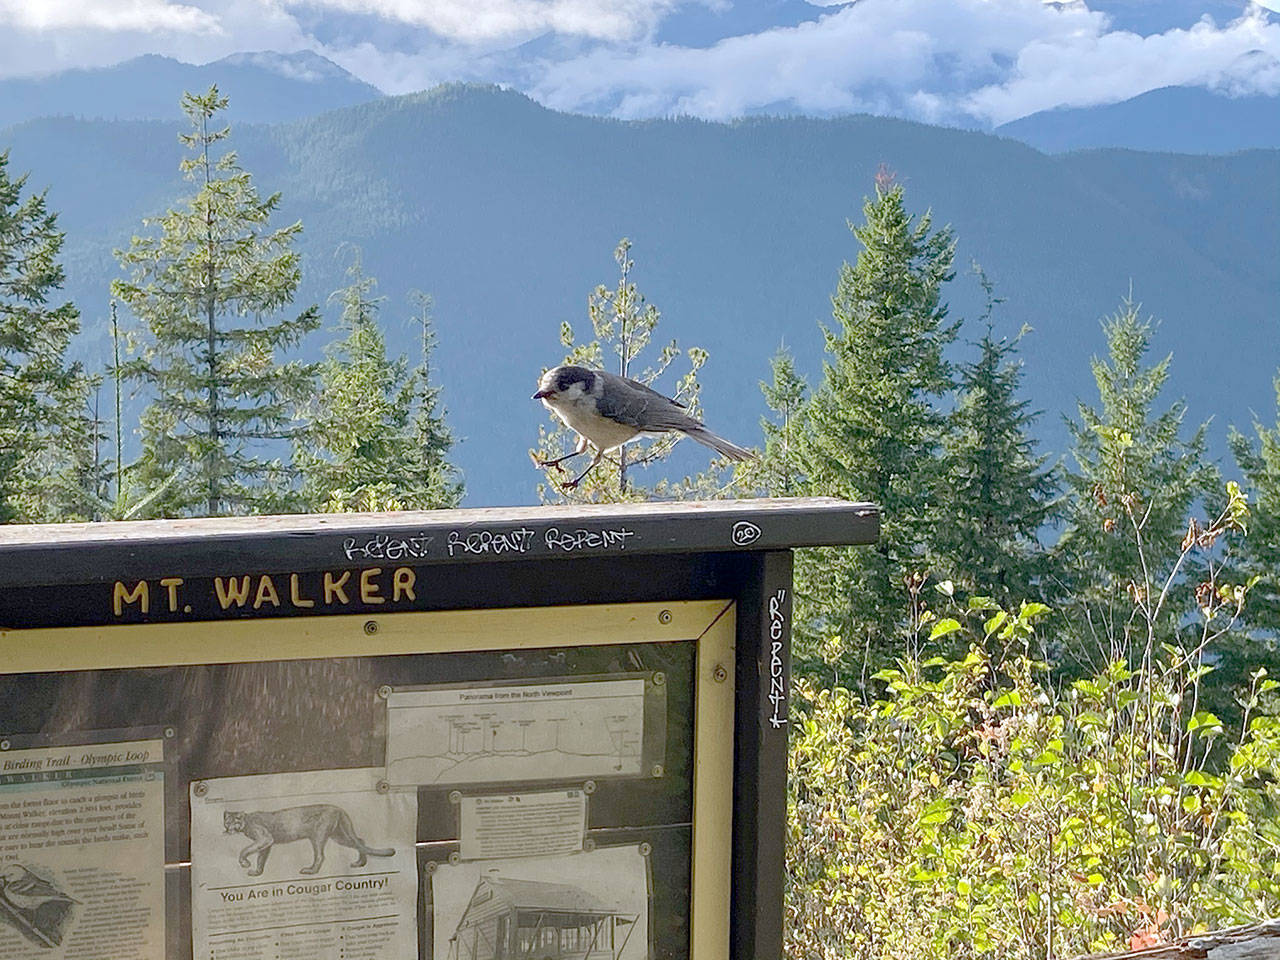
(86, 552)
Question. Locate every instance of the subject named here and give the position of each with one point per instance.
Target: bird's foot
(569, 485)
(544, 464)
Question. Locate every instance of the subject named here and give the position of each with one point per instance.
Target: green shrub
(973, 811)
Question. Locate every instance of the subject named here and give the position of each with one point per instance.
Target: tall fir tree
(998, 494)
(1136, 482)
(45, 433)
(623, 324)
(1260, 466)
(213, 284)
(377, 439)
(777, 472)
(873, 431)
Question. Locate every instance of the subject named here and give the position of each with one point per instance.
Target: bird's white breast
(578, 411)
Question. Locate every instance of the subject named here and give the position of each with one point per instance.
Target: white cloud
(1079, 70)
(938, 60)
(79, 40)
(472, 21)
(147, 16)
(993, 60)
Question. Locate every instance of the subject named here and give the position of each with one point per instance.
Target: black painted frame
(62, 576)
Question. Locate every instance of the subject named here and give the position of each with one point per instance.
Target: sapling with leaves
(975, 808)
(623, 325)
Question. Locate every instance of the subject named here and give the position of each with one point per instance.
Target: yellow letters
(266, 593)
(172, 583)
(141, 593)
(334, 587)
(233, 591)
(368, 588)
(295, 596)
(402, 582)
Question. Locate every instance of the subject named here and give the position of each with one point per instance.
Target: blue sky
(981, 62)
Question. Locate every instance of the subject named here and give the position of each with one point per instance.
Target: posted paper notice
(523, 824)
(303, 866)
(456, 735)
(82, 852)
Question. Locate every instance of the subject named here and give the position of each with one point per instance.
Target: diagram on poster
(454, 735)
(303, 866)
(82, 851)
(593, 904)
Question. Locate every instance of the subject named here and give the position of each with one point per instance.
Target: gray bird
(606, 410)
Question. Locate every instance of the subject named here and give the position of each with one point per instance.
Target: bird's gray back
(630, 402)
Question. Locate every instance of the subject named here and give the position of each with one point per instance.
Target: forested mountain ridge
(507, 213)
(266, 87)
(1177, 119)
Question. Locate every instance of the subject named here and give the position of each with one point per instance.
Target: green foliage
(209, 284)
(998, 495)
(1261, 551)
(978, 809)
(1136, 482)
(376, 436)
(46, 438)
(776, 472)
(972, 811)
(872, 431)
(623, 325)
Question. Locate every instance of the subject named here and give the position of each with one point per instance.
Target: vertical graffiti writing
(777, 667)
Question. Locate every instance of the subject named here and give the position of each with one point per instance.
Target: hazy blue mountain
(508, 214)
(702, 25)
(264, 88)
(1171, 119)
(1146, 17)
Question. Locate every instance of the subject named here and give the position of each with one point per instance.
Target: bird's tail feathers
(719, 444)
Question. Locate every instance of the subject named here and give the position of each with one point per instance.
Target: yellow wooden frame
(710, 622)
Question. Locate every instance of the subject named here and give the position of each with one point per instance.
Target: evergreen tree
(998, 494)
(210, 285)
(623, 323)
(44, 431)
(776, 473)
(872, 431)
(432, 470)
(1136, 482)
(1261, 468)
(378, 438)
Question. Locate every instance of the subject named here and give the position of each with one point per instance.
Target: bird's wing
(632, 403)
(646, 389)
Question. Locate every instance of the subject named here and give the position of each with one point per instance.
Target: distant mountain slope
(1171, 119)
(508, 213)
(264, 88)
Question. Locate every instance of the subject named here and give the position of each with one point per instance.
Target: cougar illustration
(317, 822)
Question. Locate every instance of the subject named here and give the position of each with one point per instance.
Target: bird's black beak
(540, 394)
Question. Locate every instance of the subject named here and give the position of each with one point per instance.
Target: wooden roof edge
(134, 531)
(52, 554)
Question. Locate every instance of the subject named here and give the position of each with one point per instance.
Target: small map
(453, 735)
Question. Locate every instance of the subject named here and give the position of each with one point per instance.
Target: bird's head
(565, 383)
